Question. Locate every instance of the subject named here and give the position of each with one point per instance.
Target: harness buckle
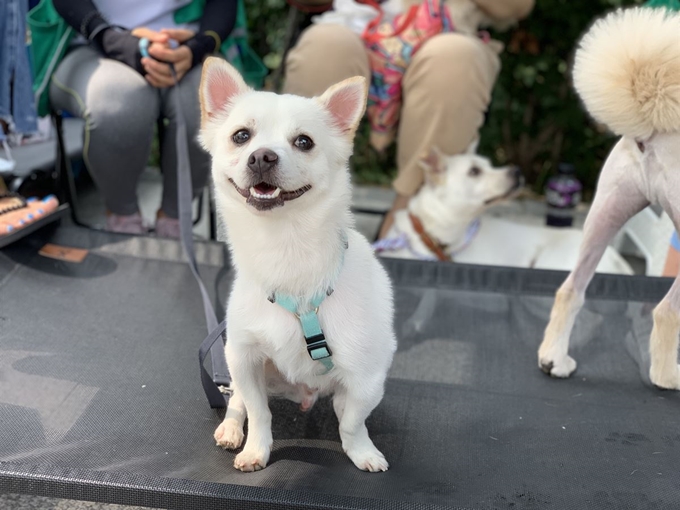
(317, 347)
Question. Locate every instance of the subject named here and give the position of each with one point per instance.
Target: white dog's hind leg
(617, 202)
(358, 404)
(229, 434)
(249, 377)
(663, 344)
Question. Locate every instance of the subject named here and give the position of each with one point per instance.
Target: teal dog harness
(317, 347)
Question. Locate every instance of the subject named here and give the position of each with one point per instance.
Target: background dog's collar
(402, 242)
(436, 247)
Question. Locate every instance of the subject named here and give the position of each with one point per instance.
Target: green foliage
(368, 166)
(267, 27)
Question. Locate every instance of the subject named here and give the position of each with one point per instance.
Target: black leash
(216, 387)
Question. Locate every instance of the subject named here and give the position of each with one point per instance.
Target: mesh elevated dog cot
(100, 396)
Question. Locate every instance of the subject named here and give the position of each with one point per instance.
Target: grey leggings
(120, 110)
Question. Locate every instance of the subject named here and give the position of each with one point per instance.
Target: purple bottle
(562, 194)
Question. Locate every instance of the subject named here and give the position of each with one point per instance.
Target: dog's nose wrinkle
(262, 160)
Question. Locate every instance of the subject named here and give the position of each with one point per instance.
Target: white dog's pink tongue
(265, 189)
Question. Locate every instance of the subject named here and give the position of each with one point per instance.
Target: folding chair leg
(212, 216)
(65, 181)
(197, 220)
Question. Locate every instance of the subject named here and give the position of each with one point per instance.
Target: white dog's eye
(304, 143)
(474, 171)
(241, 136)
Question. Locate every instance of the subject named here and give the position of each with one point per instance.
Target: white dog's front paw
(667, 380)
(559, 366)
(368, 459)
(229, 434)
(251, 460)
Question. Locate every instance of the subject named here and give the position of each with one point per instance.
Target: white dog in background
(280, 169)
(627, 71)
(445, 221)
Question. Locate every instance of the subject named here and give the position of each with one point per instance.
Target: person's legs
(119, 109)
(325, 54)
(199, 160)
(446, 92)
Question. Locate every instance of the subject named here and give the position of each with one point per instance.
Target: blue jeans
(17, 104)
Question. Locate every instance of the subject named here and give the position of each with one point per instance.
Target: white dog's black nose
(262, 161)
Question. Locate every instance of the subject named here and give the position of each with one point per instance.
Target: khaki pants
(446, 89)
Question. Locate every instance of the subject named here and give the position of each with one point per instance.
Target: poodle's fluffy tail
(627, 71)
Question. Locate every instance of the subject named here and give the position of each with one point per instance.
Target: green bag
(50, 37)
(235, 48)
(673, 5)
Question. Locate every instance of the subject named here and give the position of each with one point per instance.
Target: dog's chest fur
(354, 319)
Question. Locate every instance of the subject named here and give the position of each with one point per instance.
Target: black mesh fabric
(100, 395)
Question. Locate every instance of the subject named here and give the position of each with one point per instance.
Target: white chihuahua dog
(627, 71)
(445, 221)
(310, 311)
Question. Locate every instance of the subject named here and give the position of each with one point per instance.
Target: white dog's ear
(434, 164)
(472, 148)
(220, 84)
(346, 102)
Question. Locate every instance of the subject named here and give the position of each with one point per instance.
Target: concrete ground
(23, 502)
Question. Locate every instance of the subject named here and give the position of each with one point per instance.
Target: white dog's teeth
(263, 196)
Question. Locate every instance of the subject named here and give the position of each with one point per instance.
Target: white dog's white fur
(627, 71)
(458, 190)
(296, 248)
(628, 74)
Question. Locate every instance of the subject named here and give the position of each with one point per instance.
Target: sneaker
(167, 227)
(132, 224)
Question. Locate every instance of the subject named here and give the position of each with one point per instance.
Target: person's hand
(152, 35)
(178, 34)
(158, 73)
